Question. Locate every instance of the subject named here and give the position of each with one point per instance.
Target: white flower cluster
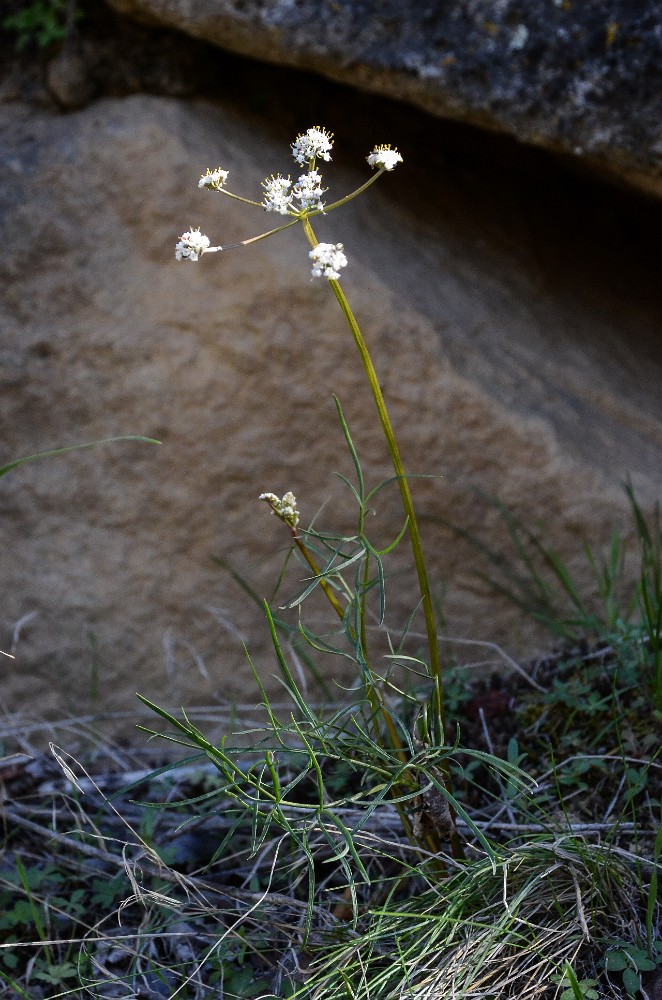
(305, 196)
(285, 509)
(277, 194)
(327, 260)
(191, 245)
(314, 144)
(384, 158)
(308, 191)
(214, 179)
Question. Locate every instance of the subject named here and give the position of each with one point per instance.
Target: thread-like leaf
(4, 469)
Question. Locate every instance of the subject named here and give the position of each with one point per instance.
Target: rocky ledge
(582, 79)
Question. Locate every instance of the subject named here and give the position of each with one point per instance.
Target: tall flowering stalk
(300, 201)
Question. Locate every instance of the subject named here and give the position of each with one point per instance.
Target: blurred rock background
(507, 278)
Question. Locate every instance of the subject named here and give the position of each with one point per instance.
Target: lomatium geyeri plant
(301, 201)
(398, 760)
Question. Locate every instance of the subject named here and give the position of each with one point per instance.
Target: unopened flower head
(384, 157)
(285, 509)
(277, 194)
(214, 179)
(191, 245)
(312, 145)
(327, 260)
(308, 191)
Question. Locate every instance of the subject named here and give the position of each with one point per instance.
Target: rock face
(583, 79)
(513, 316)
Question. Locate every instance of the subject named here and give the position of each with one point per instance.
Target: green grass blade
(14, 985)
(126, 789)
(569, 974)
(287, 674)
(4, 469)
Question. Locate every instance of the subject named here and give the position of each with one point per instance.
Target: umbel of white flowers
(300, 200)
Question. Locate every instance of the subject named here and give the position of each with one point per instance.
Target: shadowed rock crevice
(580, 78)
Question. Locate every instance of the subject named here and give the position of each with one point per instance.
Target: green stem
(262, 236)
(414, 534)
(306, 553)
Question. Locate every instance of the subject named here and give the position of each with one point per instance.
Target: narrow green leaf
(352, 449)
(14, 985)
(287, 674)
(575, 989)
(4, 469)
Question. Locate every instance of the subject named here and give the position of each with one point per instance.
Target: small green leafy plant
(40, 904)
(42, 22)
(573, 988)
(631, 961)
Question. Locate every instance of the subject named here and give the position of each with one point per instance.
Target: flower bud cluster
(327, 260)
(285, 509)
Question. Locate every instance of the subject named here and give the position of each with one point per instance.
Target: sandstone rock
(583, 79)
(517, 341)
(68, 77)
